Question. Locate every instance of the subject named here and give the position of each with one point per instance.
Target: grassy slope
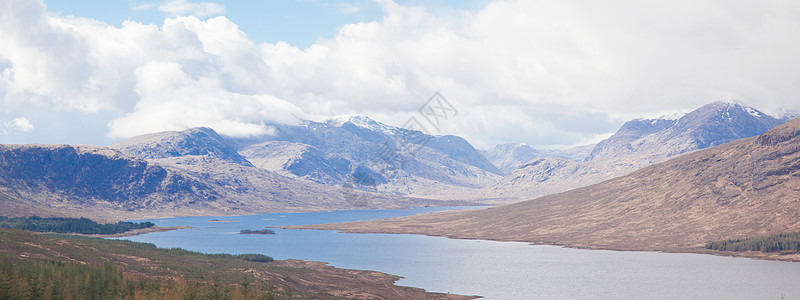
(310, 280)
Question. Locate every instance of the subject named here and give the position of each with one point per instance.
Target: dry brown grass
(750, 187)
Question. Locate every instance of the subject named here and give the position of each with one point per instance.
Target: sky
(551, 74)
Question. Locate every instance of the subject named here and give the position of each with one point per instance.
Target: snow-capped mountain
(252, 186)
(347, 151)
(713, 124)
(508, 157)
(194, 141)
(358, 150)
(638, 143)
(785, 114)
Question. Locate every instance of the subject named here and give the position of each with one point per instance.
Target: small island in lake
(263, 231)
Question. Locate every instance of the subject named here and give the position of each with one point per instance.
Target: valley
(744, 188)
(332, 165)
(724, 171)
(397, 149)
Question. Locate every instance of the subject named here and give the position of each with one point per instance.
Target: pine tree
(5, 286)
(244, 289)
(216, 291)
(34, 287)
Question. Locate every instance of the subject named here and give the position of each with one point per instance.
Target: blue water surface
(495, 270)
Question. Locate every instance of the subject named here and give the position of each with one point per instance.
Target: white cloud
(186, 7)
(540, 72)
(347, 8)
(18, 125)
(48, 59)
(172, 100)
(188, 72)
(143, 6)
(620, 59)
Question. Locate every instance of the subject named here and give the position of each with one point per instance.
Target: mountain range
(745, 188)
(371, 156)
(342, 163)
(511, 156)
(638, 143)
(191, 172)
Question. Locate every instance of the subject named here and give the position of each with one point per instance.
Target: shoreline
(793, 257)
(386, 279)
(322, 267)
(135, 232)
(318, 280)
(378, 280)
(149, 215)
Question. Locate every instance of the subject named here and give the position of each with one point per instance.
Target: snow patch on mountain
(670, 117)
(638, 143)
(363, 122)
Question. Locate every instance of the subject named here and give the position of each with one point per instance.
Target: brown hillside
(749, 187)
(111, 269)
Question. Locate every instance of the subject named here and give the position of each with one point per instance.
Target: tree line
(25, 279)
(784, 242)
(69, 225)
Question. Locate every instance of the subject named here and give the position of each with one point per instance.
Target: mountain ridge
(54, 177)
(638, 143)
(749, 187)
(107, 184)
(193, 141)
(327, 165)
(366, 154)
(510, 156)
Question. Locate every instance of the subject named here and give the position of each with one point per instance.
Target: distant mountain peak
(338, 120)
(748, 109)
(736, 105)
(730, 102)
(511, 156)
(362, 122)
(510, 146)
(355, 119)
(710, 125)
(672, 116)
(193, 141)
(197, 130)
(787, 114)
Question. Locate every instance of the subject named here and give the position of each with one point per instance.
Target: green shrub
(70, 225)
(784, 242)
(255, 257)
